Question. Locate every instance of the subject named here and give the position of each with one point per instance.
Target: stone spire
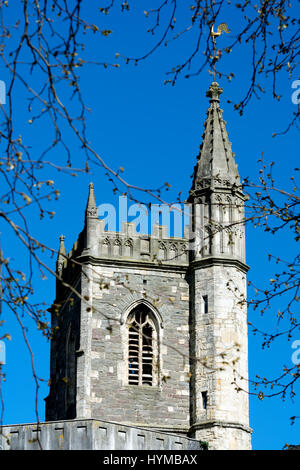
(216, 192)
(216, 160)
(91, 207)
(61, 257)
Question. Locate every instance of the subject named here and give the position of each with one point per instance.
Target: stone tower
(219, 411)
(157, 336)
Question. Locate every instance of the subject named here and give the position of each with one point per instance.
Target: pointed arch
(156, 313)
(162, 251)
(222, 209)
(106, 247)
(230, 210)
(128, 248)
(142, 356)
(117, 247)
(231, 227)
(173, 252)
(183, 252)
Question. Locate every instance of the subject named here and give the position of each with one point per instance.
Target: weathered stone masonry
(194, 298)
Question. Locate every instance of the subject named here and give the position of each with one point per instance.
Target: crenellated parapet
(132, 246)
(97, 246)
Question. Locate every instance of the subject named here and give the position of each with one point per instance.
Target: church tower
(219, 346)
(150, 330)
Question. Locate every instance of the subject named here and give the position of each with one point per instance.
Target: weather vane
(222, 28)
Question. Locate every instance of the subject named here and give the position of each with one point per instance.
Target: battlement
(130, 245)
(157, 247)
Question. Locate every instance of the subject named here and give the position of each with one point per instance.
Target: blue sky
(154, 131)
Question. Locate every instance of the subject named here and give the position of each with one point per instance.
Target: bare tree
(274, 210)
(43, 51)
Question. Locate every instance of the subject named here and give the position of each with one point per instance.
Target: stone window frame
(205, 304)
(155, 321)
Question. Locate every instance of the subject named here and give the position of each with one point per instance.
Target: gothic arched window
(142, 347)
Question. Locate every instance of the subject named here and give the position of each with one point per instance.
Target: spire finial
(214, 92)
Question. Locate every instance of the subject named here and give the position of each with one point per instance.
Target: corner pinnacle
(61, 257)
(91, 207)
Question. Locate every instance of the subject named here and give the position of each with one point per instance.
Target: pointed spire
(216, 159)
(61, 257)
(91, 207)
